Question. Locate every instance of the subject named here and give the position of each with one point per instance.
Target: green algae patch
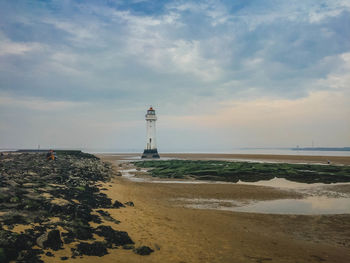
(246, 171)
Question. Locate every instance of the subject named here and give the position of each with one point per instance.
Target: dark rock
(75, 253)
(24, 241)
(118, 238)
(94, 249)
(107, 216)
(73, 181)
(50, 239)
(143, 251)
(68, 237)
(128, 247)
(3, 256)
(8, 249)
(129, 203)
(117, 204)
(103, 213)
(64, 258)
(30, 256)
(83, 232)
(49, 254)
(14, 218)
(15, 246)
(96, 219)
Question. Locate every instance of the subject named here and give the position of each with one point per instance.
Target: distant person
(328, 161)
(51, 155)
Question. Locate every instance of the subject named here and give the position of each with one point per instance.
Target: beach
(181, 234)
(110, 209)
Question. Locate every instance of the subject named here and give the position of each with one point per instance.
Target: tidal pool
(313, 205)
(318, 200)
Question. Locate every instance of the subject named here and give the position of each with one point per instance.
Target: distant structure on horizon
(151, 145)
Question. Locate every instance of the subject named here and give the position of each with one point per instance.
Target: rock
(107, 216)
(3, 257)
(129, 203)
(117, 204)
(128, 247)
(28, 185)
(83, 232)
(68, 237)
(64, 258)
(15, 246)
(8, 249)
(143, 251)
(50, 239)
(14, 218)
(118, 238)
(49, 254)
(35, 190)
(95, 249)
(30, 256)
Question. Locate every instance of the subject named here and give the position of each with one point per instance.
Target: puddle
(275, 182)
(283, 183)
(309, 206)
(130, 174)
(320, 198)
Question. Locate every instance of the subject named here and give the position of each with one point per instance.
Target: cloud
(186, 58)
(200, 46)
(37, 104)
(8, 47)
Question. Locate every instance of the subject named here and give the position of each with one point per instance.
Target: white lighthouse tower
(151, 144)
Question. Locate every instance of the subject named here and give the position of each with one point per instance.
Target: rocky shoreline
(56, 202)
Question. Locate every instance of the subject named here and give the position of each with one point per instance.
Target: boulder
(143, 251)
(129, 203)
(117, 204)
(118, 238)
(94, 249)
(50, 239)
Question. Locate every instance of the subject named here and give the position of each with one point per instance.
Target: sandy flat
(179, 234)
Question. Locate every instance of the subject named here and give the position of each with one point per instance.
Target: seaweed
(246, 171)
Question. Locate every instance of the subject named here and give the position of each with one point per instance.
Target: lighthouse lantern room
(151, 143)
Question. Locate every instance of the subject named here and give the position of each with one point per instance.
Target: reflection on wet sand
(313, 205)
(319, 198)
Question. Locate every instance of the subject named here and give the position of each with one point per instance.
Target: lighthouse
(151, 143)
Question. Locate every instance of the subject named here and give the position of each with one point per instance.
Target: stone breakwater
(56, 201)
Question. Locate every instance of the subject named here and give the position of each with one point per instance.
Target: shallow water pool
(313, 205)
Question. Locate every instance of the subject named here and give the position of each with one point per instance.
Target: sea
(268, 151)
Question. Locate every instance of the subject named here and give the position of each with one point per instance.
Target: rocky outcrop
(34, 190)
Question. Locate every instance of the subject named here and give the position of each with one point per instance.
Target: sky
(220, 74)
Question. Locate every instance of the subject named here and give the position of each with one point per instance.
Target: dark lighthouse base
(150, 154)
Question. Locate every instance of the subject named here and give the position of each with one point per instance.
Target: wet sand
(179, 234)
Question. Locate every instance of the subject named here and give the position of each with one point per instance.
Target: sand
(179, 234)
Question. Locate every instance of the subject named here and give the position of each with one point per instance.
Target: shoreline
(193, 235)
(339, 160)
(160, 218)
